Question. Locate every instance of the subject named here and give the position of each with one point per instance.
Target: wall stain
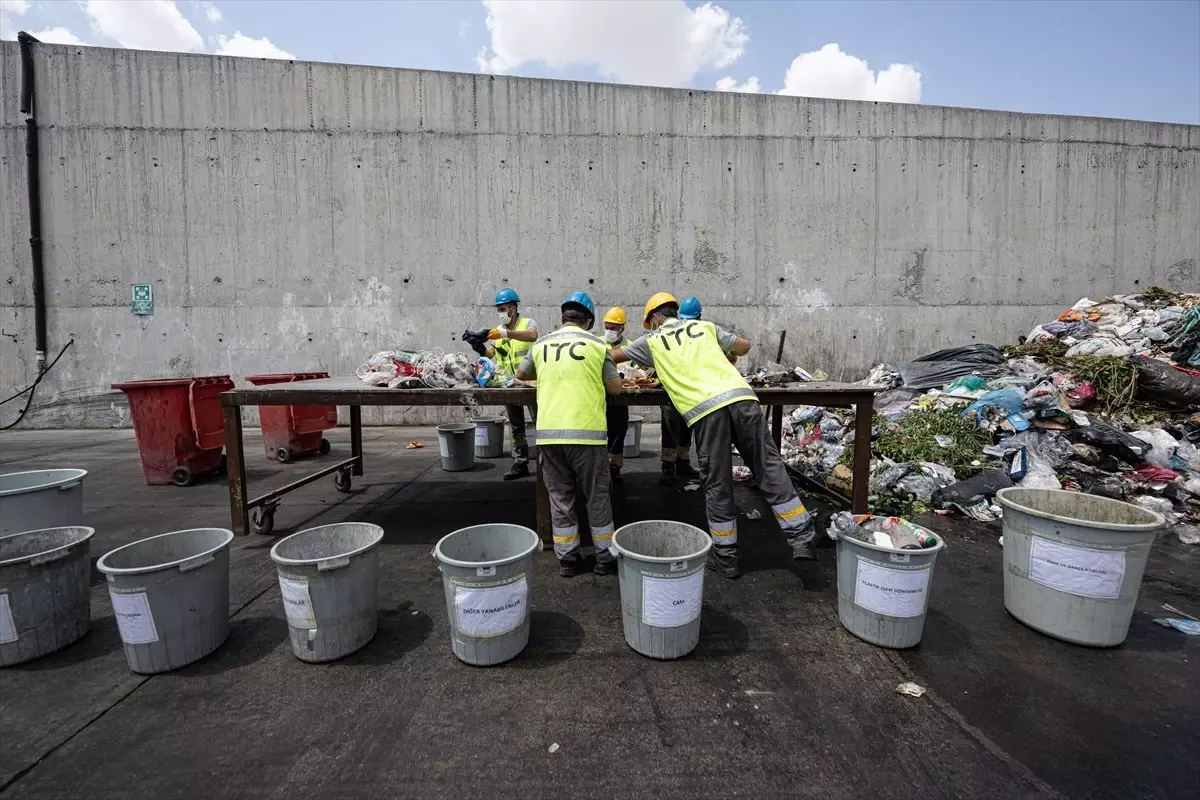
(912, 280)
(1181, 275)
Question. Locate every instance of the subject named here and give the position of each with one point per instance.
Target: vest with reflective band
(695, 372)
(570, 387)
(509, 352)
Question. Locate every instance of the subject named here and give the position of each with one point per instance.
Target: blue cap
(690, 308)
(581, 299)
(506, 296)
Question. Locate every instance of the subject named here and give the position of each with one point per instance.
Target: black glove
(476, 339)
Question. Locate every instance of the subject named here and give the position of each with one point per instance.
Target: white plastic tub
(44, 498)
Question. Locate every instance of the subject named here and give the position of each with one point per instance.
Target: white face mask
(612, 336)
(503, 317)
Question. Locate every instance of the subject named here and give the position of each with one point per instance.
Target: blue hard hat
(581, 299)
(690, 308)
(506, 296)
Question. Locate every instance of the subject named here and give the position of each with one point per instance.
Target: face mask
(612, 336)
(503, 317)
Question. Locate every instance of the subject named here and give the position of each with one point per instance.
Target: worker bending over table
(509, 344)
(617, 416)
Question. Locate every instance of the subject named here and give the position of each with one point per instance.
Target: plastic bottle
(903, 538)
(926, 539)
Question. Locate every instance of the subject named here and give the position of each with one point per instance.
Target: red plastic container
(179, 428)
(290, 431)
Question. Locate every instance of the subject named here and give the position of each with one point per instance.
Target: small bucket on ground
(456, 443)
(661, 565)
(45, 592)
(329, 581)
(487, 572)
(489, 437)
(633, 438)
(1073, 562)
(170, 594)
(883, 592)
(530, 439)
(44, 498)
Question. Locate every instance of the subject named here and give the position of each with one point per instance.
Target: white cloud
(829, 72)
(211, 12)
(730, 84)
(57, 35)
(8, 9)
(144, 24)
(657, 42)
(241, 45)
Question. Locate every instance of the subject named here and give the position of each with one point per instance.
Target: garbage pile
(881, 531)
(433, 369)
(1105, 400)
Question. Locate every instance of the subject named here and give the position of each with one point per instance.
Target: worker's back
(570, 387)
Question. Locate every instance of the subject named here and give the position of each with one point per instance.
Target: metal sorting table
(350, 391)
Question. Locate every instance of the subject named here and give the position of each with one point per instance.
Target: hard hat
(615, 315)
(506, 296)
(690, 308)
(654, 303)
(581, 299)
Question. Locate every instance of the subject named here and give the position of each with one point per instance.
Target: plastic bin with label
(179, 426)
(290, 431)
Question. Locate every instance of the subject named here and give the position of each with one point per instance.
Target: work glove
(495, 333)
(732, 359)
(476, 340)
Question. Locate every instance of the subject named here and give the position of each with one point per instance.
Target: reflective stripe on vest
(510, 352)
(570, 388)
(694, 371)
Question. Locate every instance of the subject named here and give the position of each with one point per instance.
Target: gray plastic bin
(329, 582)
(661, 566)
(1073, 562)
(487, 576)
(489, 437)
(170, 594)
(44, 498)
(633, 438)
(45, 592)
(883, 592)
(456, 443)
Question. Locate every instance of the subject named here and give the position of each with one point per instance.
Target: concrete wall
(303, 216)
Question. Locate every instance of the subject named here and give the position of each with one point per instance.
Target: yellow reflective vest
(509, 352)
(694, 370)
(570, 387)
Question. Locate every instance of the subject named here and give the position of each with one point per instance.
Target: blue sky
(1136, 60)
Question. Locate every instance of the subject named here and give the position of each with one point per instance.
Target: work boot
(684, 469)
(723, 560)
(615, 474)
(568, 567)
(668, 474)
(520, 469)
(605, 566)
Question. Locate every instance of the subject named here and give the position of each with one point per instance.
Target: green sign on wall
(143, 299)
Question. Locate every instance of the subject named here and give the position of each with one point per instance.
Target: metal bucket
(1073, 562)
(633, 438)
(883, 592)
(489, 437)
(487, 573)
(44, 498)
(329, 581)
(456, 443)
(45, 592)
(170, 594)
(661, 566)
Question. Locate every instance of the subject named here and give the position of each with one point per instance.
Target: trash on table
(910, 689)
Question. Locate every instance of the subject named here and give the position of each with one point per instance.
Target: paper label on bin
(443, 447)
(481, 436)
(8, 628)
(297, 603)
(672, 602)
(1076, 570)
(891, 592)
(134, 620)
(492, 611)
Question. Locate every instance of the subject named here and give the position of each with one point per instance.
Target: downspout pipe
(33, 179)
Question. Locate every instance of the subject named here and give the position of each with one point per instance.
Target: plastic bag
(979, 353)
(1101, 344)
(1162, 446)
(969, 492)
(1009, 400)
(1160, 505)
(1039, 475)
(1165, 385)
(1110, 440)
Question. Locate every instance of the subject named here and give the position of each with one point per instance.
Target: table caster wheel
(341, 482)
(323, 448)
(283, 454)
(182, 476)
(262, 520)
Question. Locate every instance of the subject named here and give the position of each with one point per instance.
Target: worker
(508, 344)
(574, 372)
(691, 358)
(616, 416)
(676, 455)
(690, 308)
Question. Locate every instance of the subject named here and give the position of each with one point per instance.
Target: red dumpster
(179, 428)
(294, 430)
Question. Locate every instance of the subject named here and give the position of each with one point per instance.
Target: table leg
(544, 531)
(864, 410)
(777, 425)
(235, 468)
(356, 438)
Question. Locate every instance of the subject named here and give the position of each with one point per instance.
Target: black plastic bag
(935, 370)
(979, 353)
(476, 340)
(969, 492)
(1164, 385)
(1114, 442)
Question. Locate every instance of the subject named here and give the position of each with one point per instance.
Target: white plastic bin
(1073, 562)
(170, 594)
(456, 445)
(329, 582)
(487, 576)
(633, 438)
(489, 437)
(661, 572)
(44, 498)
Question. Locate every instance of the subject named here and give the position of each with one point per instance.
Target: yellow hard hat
(654, 303)
(615, 315)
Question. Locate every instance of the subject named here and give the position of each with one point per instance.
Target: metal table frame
(353, 393)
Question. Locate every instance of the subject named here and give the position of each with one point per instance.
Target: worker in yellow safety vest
(508, 344)
(691, 359)
(574, 373)
(617, 416)
(676, 457)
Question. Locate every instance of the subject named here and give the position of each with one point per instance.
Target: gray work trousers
(567, 468)
(516, 418)
(743, 424)
(676, 438)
